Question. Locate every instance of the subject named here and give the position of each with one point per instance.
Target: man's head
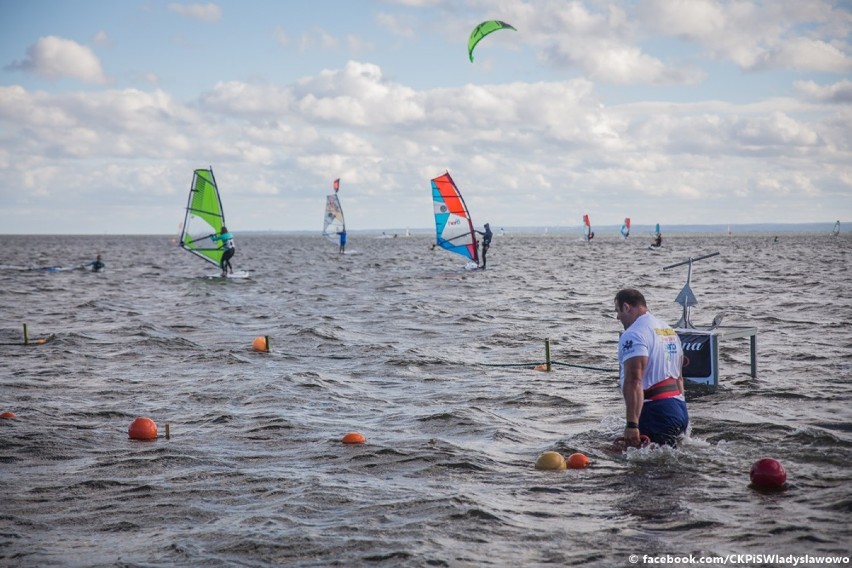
(629, 305)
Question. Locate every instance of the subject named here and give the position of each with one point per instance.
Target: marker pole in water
(547, 353)
(267, 342)
(26, 335)
(168, 432)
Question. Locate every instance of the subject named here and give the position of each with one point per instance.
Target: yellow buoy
(550, 461)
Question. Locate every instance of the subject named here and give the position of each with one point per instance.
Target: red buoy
(353, 438)
(768, 472)
(142, 429)
(8, 414)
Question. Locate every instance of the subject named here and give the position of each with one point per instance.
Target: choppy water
(400, 344)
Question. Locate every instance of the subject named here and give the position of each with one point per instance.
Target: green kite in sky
(483, 30)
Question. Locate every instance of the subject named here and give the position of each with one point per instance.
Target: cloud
(54, 58)
(395, 24)
(840, 92)
(203, 12)
(781, 34)
(550, 143)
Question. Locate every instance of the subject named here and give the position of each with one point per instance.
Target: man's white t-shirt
(656, 340)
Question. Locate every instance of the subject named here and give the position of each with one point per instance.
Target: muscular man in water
(651, 358)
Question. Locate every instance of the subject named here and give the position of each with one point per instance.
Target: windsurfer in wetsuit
(342, 241)
(651, 357)
(228, 242)
(658, 240)
(486, 242)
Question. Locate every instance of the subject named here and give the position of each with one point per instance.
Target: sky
(664, 111)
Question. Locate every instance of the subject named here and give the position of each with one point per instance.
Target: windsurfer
(650, 356)
(486, 242)
(658, 240)
(228, 243)
(342, 241)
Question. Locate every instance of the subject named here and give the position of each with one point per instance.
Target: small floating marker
(353, 438)
(550, 461)
(261, 343)
(768, 473)
(8, 415)
(577, 461)
(142, 428)
(542, 367)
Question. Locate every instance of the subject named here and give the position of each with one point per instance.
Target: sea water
(434, 365)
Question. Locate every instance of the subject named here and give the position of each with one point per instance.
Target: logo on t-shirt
(627, 346)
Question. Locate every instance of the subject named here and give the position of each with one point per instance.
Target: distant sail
(836, 230)
(333, 223)
(657, 230)
(587, 227)
(625, 228)
(453, 224)
(204, 218)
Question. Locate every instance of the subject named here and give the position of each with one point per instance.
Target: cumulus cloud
(203, 12)
(553, 143)
(758, 35)
(840, 92)
(55, 57)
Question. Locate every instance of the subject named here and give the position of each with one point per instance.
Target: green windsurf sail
(204, 218)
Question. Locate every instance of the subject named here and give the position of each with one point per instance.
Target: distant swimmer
(486, 242)
(228, 243)
(97, 264)
(651, 360)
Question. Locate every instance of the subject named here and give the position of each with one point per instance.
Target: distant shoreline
(636, 231)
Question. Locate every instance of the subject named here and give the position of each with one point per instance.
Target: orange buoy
(142, 428)
(550, 461)
(768, 472)
(261, 344)
(8, 414)
(577, 461)
(542, 367)
(353, 438)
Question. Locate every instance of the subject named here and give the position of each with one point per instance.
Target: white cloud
(551, 143)
(203, 12)
(317, 39)
(102, 38)
(778, 34)
(395, 24)
(55, 57)
(840, 92)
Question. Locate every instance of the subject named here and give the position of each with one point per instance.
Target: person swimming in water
(97, 264)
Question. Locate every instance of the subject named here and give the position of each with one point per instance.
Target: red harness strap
(664, 389)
